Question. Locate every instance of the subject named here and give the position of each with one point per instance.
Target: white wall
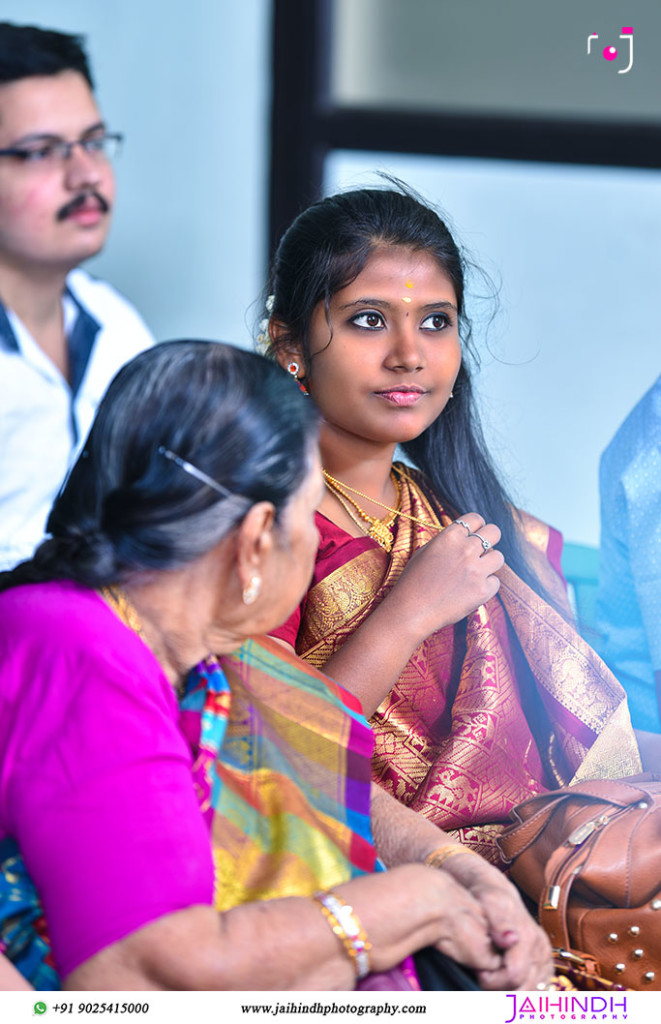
(189, 85)
(577, 339)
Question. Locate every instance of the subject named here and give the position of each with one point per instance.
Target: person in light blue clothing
(629, 598)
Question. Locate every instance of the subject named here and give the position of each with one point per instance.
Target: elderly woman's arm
(467, 909)
(402, 836)
(110, 828)
(287, 944)
(10, 979)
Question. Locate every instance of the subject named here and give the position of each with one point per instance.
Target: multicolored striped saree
(282, 773)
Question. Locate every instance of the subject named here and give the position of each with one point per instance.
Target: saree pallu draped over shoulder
(506, 704)
(282, 771)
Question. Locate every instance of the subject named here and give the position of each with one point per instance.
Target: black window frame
(306, 126)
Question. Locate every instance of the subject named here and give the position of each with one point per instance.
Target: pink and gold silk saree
(501, 706)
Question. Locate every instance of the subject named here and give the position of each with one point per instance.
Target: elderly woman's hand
(423, 907)
(525, 960)
(524, 955)
(286, 944)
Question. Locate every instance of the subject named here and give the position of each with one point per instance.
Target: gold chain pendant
(380, 532)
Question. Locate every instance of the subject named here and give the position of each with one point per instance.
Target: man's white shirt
(43, 419)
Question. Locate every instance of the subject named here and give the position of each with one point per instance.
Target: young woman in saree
(434, 600)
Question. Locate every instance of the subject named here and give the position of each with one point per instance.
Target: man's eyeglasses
(49, 152)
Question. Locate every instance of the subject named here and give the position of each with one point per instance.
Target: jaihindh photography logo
(555, 1006)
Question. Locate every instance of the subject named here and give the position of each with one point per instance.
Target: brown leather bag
(590, 856)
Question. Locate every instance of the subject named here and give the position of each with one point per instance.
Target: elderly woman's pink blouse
(95, 775)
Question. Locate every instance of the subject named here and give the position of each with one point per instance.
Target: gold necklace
(376, 528)
(349, 511)
(379, 529)
(126, 613)
(123, 609)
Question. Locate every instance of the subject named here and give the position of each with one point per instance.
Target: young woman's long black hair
(323, 251)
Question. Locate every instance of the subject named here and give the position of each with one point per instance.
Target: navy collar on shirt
(80, 341)
(7, 336)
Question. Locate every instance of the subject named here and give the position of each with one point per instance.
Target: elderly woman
(209, 829)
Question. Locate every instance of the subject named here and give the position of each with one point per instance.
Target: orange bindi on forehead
(407, 284)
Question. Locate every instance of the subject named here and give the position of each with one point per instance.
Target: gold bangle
(437, 858)
(345, 924)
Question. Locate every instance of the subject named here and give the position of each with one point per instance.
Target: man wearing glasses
(63, 335)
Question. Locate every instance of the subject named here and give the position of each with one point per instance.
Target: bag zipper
(576, 839)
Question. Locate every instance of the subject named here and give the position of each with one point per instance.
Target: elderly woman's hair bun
(126, 508)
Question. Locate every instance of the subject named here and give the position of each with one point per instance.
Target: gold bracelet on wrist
(345, 924)
(437, 858)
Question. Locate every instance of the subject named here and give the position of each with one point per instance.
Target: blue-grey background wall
(576, 250)
(188, 83)
(575, 253)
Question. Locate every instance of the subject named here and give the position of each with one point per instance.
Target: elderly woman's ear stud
(252, 591)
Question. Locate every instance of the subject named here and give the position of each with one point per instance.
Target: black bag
(439, 973)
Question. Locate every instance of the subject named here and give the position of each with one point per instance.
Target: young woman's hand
(443, 582)
(450, 576)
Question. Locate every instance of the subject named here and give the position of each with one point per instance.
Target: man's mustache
(80, 200)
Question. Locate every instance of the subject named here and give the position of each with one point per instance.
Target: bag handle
(614, 791)
(517, 838)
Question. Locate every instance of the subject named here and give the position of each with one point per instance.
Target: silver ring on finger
(485, 543)
(460, 522)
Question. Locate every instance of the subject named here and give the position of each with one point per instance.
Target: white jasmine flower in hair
(269, 303)
(263, 339)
